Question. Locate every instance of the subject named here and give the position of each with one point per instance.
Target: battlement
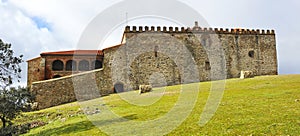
(196, 29)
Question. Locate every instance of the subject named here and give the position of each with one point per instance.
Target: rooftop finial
(196, 27)
(196, 24)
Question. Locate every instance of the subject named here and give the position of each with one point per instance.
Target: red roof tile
(113, 46)
(33, 59)
(74, 52)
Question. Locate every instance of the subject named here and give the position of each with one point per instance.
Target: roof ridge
(71, 52)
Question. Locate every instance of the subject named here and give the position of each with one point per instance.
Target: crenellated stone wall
(243, 49)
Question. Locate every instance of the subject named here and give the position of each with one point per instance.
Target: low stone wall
(83, 86)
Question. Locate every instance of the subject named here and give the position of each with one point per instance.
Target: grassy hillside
(267, 105)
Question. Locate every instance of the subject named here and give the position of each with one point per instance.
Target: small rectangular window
(155, 51)
(207, 65)
(203, 42)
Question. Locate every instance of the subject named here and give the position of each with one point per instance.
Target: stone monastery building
(148, 50)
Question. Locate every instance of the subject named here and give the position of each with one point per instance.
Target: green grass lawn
(267, 105)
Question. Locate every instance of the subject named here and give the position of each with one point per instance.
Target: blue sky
(41, 23)
(35, 26)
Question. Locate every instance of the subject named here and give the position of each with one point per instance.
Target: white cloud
(19, 30)
(262, 14)
(68, 19)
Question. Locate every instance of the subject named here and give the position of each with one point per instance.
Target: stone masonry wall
(166, 57)
(243, 49)
(36, 70)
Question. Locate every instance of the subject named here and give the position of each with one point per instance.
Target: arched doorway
(118, 87)
(57, 76)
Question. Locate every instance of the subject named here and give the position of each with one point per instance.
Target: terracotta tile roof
(73, 52)
(78, 52)
(113, 46)
(33, 59)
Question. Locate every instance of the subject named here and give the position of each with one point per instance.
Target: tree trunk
(3, 121)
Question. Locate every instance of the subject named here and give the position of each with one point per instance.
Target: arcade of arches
(71, 65)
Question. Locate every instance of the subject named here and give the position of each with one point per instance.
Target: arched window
(155, 50)
(203, 42)
(57, 65)
(96, 64)
(71, 65)
(84, 65)
(251, 54)
(207, 65)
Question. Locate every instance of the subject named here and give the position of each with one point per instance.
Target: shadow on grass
(117, 120)
(67, 129)
(82, 126)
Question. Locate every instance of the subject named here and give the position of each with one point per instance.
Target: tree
(12, 100)
(9, 65)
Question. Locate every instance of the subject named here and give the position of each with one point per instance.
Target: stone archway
(71, 65)
(118, 87)
(84, 65)
(57, 76)
(150, 64)
(57, 65)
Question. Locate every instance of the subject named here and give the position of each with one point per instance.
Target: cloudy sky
(35, 26)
